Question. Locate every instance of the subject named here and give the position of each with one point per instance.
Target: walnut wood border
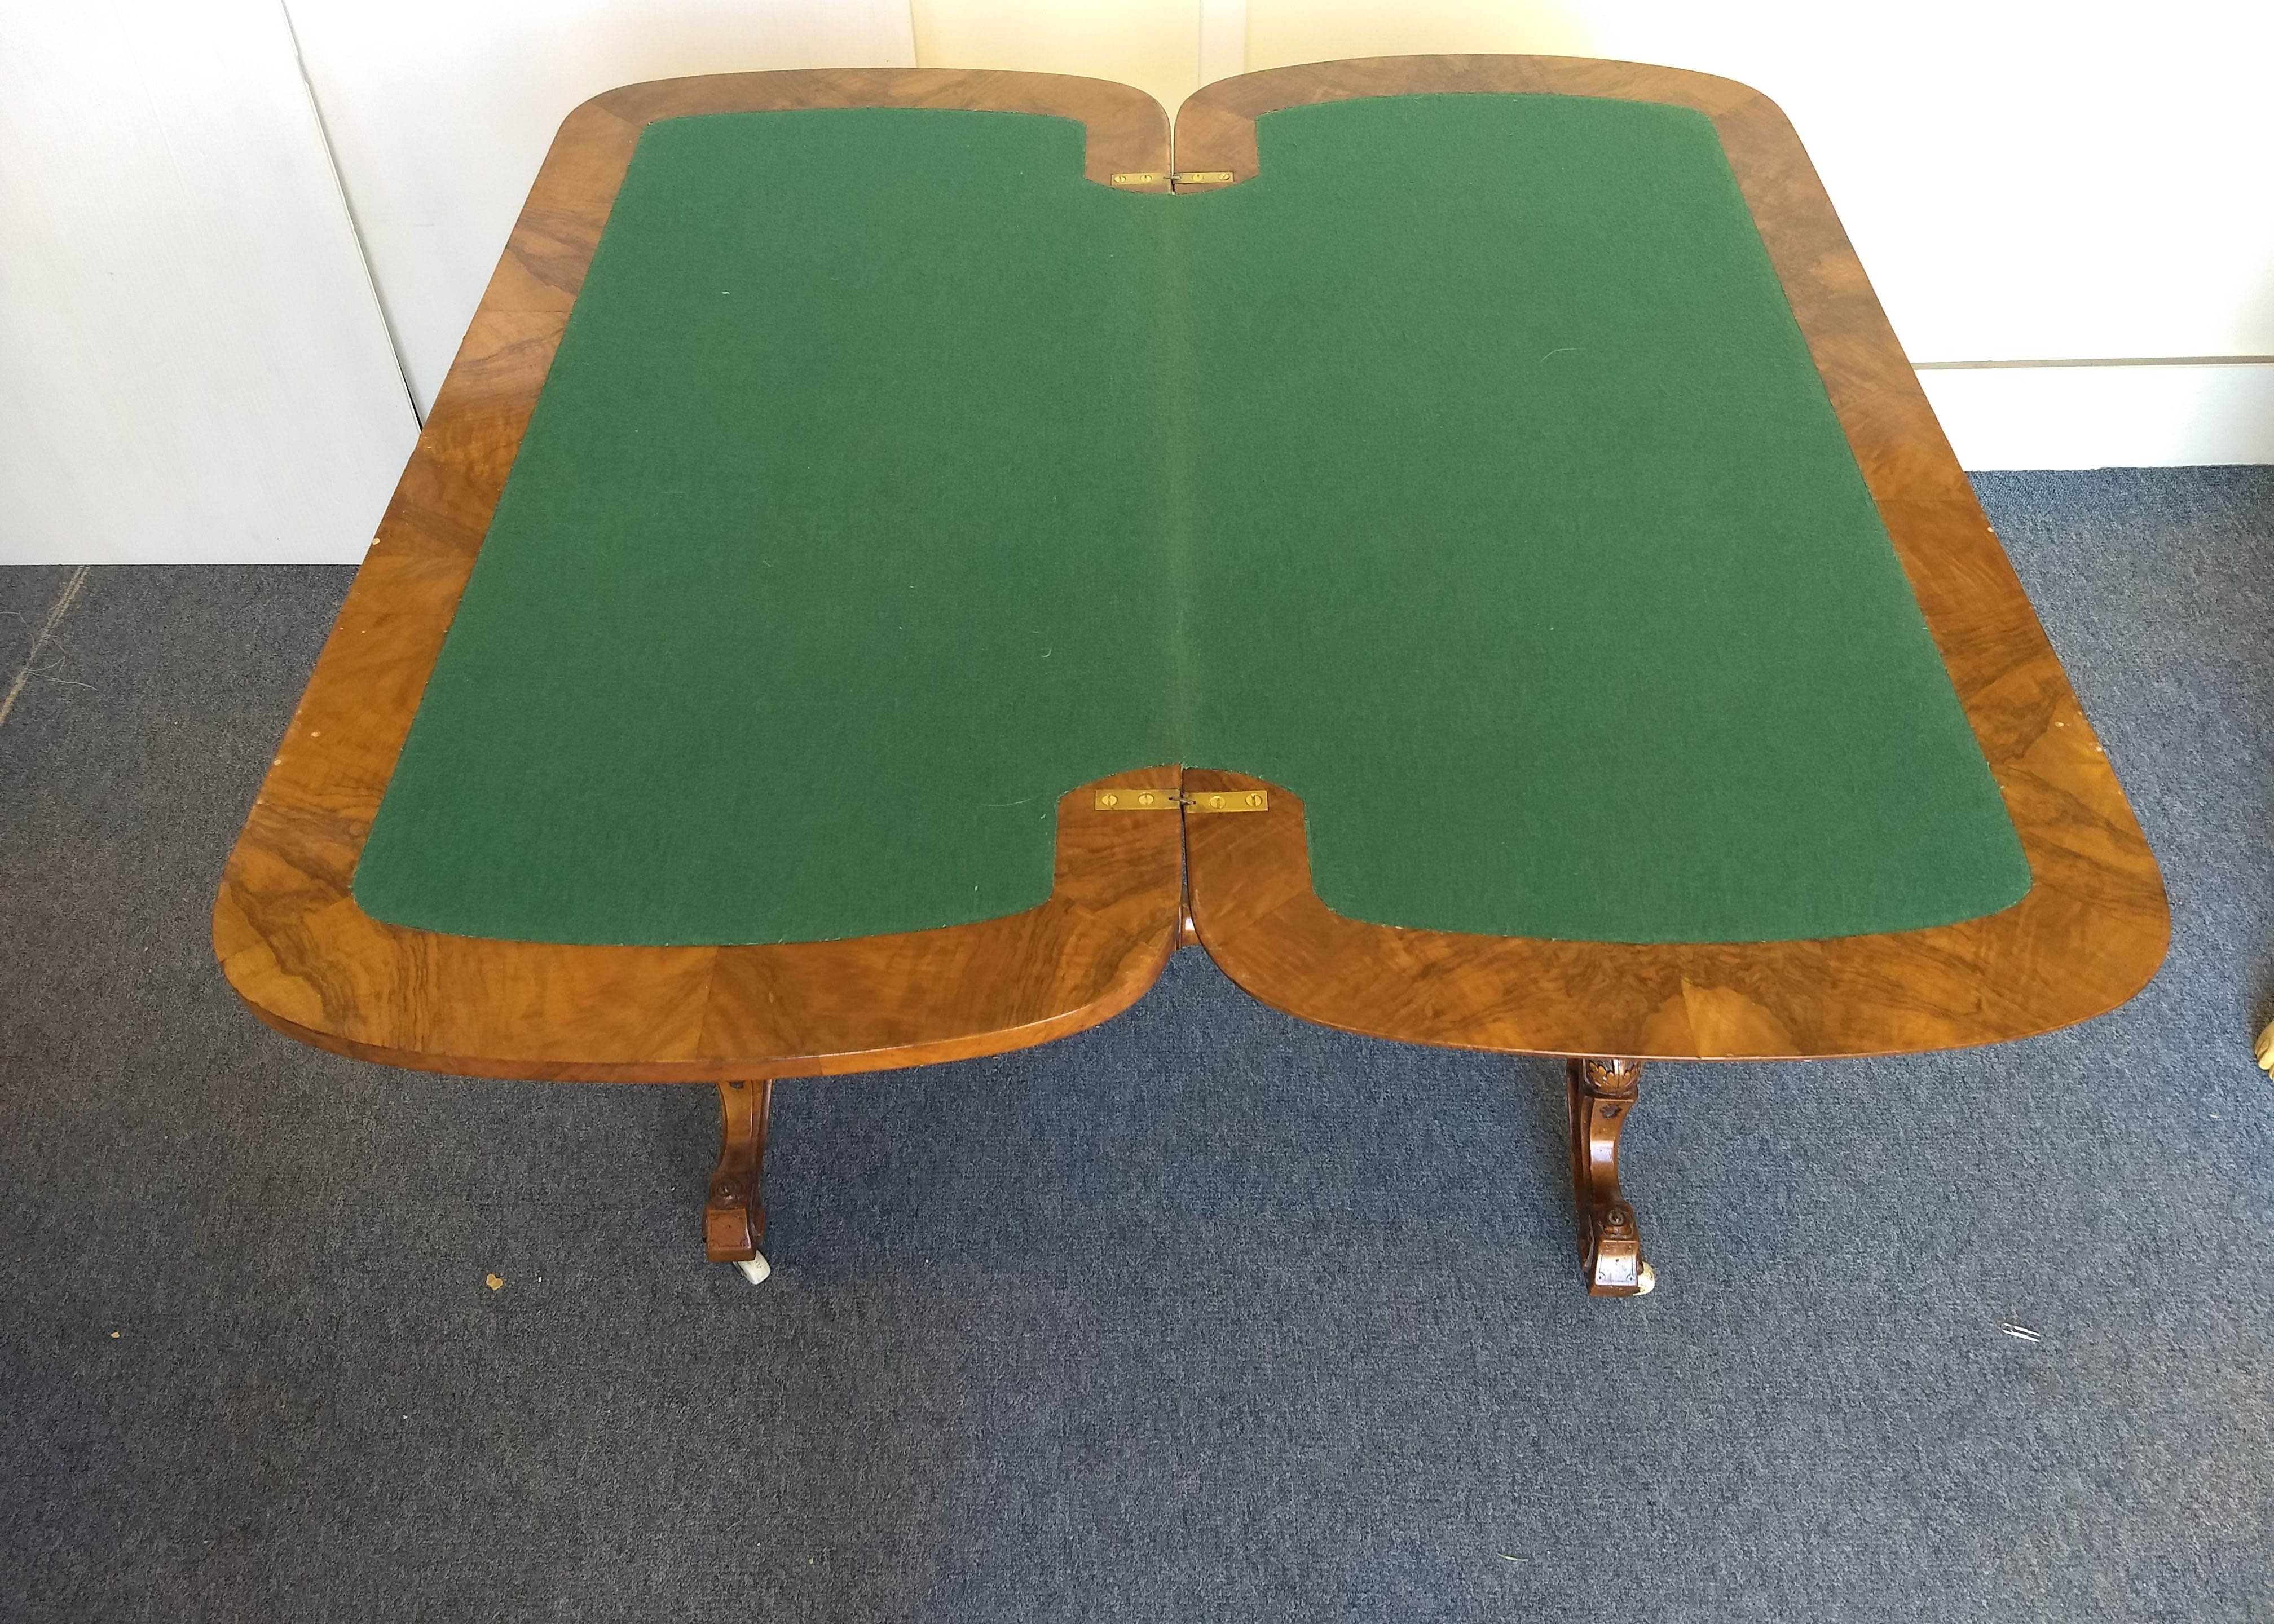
(308, 961)
(2090, 932)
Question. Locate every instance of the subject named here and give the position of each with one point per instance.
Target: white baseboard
(2107, 414)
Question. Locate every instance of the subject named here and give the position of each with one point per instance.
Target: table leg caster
(1601, 1093)
(734, 1215)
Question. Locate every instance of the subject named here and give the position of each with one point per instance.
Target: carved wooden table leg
(1601, 1094)
(735, 1217)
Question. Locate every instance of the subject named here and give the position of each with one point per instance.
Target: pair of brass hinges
(1173, 800)
(1189, 178)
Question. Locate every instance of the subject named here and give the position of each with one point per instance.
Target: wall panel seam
(348, 207)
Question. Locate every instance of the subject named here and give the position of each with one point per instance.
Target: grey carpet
(1203, 1315)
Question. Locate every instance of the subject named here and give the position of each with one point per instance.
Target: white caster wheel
(1645, 1279)
(756, 1269)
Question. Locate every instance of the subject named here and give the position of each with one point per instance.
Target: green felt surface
(1465, 472)
(1528, 550)
(832, 555)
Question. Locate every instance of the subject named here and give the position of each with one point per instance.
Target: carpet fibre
(1201, 1315)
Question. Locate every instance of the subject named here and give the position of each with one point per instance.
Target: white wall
(439, 111)
(1152, 44)
(192, 365)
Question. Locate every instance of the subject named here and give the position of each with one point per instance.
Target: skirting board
(2104, 414)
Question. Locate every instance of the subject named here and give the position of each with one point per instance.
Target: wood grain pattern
(2090, 932)
(308, 961)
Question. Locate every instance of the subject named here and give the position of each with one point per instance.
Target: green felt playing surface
(1464, 471)
(833, 553)
(1528, 550)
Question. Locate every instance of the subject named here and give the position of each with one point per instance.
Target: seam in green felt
(893, 479)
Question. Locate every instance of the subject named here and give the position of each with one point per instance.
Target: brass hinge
(1202, 178)
(1140, 177)
(1169, 799)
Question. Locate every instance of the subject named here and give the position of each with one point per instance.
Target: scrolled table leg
(1602, 1093)
(734, 1212)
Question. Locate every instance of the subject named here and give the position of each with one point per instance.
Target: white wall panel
(439, 112)
(192, 366)
(1224, 40)
(1152, 44)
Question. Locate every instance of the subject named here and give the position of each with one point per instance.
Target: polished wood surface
(309, 962)
(2090, 932)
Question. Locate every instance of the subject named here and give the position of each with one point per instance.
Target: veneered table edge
(296, 948)
(2091, 931)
